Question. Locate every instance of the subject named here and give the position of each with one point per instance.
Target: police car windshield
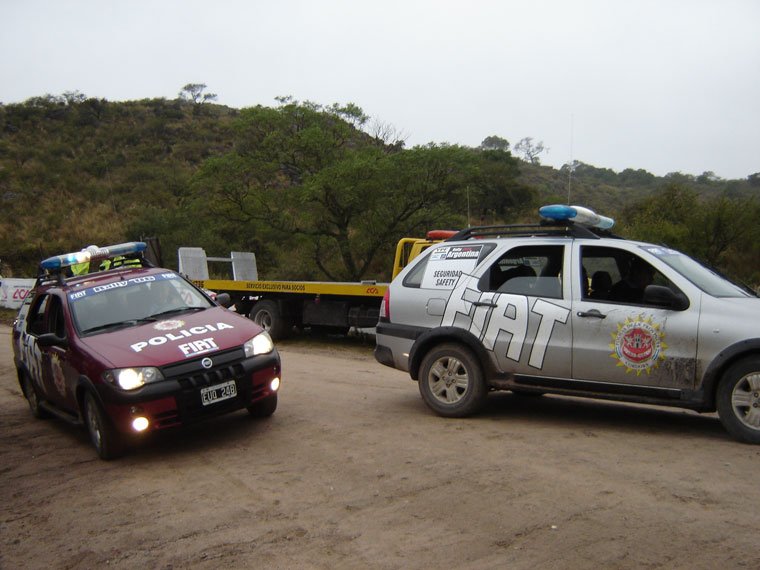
(130, 302)
(706, 279)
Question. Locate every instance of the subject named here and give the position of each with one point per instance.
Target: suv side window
(527, 270)
(617, 275)
(39, 324)
(35, 323)
(56, 322)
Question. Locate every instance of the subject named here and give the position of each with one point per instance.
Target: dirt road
(352, 471)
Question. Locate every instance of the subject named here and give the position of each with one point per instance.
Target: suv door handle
(592, 313)
(484, 304)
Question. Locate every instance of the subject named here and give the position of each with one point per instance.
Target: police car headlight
(260, 344)
(133, 378)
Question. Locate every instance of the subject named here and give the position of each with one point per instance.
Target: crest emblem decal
(638, 344)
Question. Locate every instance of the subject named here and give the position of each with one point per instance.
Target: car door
(48, 365)
(618, 337)
(518, 307)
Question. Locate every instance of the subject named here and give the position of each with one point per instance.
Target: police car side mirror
(52, 339)
(665, 297)
(224, 300)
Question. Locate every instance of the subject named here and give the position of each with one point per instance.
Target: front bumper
(176, 400)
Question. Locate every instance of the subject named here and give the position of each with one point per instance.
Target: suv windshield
(709, 281)
(129, 302)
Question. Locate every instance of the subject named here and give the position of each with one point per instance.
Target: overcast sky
(664, 85)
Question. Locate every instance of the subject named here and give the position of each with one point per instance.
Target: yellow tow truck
(281, 306)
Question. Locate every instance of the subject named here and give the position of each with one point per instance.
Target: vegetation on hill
(316, 191)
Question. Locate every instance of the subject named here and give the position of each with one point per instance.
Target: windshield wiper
(177, 310)
(119, 324)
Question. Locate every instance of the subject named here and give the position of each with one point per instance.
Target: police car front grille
(194, 369)
(211, 377)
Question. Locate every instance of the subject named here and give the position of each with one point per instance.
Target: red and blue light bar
(93, 253)
(576, 214)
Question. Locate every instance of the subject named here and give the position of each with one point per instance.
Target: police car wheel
(738, 400)
(263, 408)
(451, 381)
(103, 436)
(33, 398)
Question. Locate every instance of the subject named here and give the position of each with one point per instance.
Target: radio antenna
(572, 162)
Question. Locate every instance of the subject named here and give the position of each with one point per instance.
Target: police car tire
(33, 398)
(459, 362)
(735, 381)
(263, 408)
(107, 442)
(268, 316)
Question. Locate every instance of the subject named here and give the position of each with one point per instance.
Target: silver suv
(565, 307)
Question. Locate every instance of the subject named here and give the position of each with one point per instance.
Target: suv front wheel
(107, 443)
(451, 381)
(738, 400)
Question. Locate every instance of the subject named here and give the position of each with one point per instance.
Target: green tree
(494, 143)
(194, 92)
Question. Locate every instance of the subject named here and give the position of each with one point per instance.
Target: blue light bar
(577, 214)
(93, 253)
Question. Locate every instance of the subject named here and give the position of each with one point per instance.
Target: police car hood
(174, 339)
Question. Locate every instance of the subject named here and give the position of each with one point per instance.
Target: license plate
(218, 393)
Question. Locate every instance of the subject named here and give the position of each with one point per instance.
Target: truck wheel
(267, 315)
(32, 397)
(451, 381)
(263, 408)
(738, 400)
(105, 439)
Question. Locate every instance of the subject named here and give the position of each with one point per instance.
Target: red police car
(135, 349)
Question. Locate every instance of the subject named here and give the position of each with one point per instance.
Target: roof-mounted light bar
(92, 253)
(576, 214)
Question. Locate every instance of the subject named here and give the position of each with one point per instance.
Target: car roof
(98, 277)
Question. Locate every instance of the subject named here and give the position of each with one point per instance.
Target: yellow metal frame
(296, 287)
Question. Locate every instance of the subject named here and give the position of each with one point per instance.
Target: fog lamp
(140, 423)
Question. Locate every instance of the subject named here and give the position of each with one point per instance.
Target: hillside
(311, 188)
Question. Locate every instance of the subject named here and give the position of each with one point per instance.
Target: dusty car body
(565, 307)
(136, 349)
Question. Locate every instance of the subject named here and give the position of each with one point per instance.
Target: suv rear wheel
(738, 400)
(32, 397)
(451, 381)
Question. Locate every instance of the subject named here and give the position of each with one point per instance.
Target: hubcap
(264, 320)
(93, 424)
(448, 380)
(745, 400)
(31, 395)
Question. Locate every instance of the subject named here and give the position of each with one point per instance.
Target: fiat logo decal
(207, 363)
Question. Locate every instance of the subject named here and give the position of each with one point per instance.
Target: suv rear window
(418, 274)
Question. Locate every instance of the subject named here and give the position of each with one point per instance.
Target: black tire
(263, 408)
(107, 442)
(268, 316)
(738, 400)
(32, 397)
(451, 381)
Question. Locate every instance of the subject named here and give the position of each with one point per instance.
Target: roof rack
(545, 228)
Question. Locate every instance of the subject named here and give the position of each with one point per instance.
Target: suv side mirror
(52, 339)
(665, 297)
